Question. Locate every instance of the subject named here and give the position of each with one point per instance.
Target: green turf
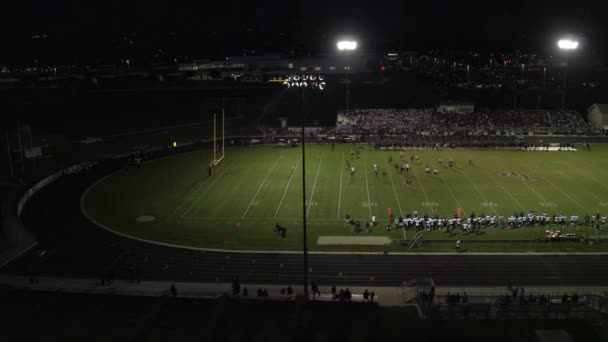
(253, 188)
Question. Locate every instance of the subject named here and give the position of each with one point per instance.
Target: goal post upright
(217, 160)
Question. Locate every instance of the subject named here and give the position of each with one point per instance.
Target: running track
(71, 246)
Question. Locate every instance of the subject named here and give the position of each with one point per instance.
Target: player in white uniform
(573, 219)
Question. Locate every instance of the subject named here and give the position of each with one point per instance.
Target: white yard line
(314, 184)
(479, 192)
(340, 192)
(217, 178)
(287, 187)
(565, 194)
(592, 178)
(538, 195)
(394, 190)
(422, 187)
(453, 196)
(260, 187)
(200, 185)
(598, 182)
(369, 203)
(510, 195)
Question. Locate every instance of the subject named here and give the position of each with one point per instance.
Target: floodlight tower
(566, 45)
(347, 47)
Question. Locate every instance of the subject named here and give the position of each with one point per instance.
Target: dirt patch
(145, 218)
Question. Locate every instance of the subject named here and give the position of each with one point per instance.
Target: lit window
(347, 68)
(318, 68)
(302, 68)
(290, 65)
(333, 67)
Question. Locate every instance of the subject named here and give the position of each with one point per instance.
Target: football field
(174, 200)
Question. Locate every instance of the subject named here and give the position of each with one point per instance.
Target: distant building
(271, 65)
(597, 115)
(455, 107)
(330, 64)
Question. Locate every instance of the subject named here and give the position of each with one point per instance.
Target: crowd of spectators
(427, 127)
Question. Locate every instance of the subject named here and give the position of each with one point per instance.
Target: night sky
(76, 29)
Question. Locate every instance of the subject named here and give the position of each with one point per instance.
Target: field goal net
(218, 146)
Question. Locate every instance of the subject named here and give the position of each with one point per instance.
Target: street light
(566, 45)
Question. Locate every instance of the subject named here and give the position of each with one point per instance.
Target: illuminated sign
(305, 81)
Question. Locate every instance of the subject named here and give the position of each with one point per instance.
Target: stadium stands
(429, 122)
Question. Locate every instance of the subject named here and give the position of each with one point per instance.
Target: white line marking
(200, 185)
(314, 184)
(422, 187)
(260, 187)
(369, 203)
(287, 187)
(453, 196)
(538, 195)
(207, 189)
(394, 190)
(600, 183)
(479, 192)
(510, 195)
(565, 194)
(340, 192)
(590, 177)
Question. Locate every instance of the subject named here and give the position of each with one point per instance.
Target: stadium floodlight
(567, 44)
(347, 45)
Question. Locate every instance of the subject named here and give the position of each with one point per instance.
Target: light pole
(347, 46)
(566, 45)
(522, 72)
(544, 77)
(303, 82)
(305, 241)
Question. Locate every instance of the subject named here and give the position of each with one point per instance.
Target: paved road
(71, 246)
